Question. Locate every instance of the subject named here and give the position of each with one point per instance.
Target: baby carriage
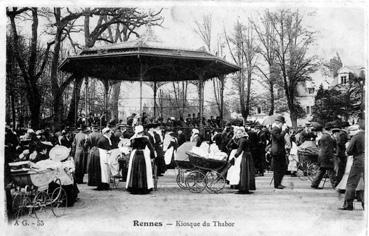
(308, 160)
(31, 193)
(204, 173)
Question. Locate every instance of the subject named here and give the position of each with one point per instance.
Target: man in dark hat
(253, 141)
(181, 137)
(261, 145)
(93, 137)
(278, 151)
(90, 119)
(194, 120)
(306, 134)
(227, 135)
(188, 119)
(148, 127)
(80, 153)
(326, 145)
(158, 146)
(341, 139)
(130, 119)
(65, 139)
(113, 121)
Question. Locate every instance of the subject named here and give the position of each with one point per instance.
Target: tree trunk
(58, 107)
(34, 101)
(221, 114)
(247, 110)
(184, 95)
(216, 93)
(13, 109)
(58, 102)
(73, 107)
(271, 89)
(293, 117)
(114, 100)
(242, 97)
(155, 92)
(291, 107)
(201, 103)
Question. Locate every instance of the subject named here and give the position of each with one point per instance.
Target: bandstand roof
(127, 61)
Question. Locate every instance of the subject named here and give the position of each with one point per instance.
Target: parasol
(269, 120)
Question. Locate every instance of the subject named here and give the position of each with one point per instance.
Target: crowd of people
(149, 145)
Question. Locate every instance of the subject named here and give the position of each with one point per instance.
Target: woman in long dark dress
(140, 176)
(247, 173)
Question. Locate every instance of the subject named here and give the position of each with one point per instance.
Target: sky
(340, 28)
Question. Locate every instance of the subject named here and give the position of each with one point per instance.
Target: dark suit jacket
(92, 139)
(253, 140)
(278, 142)
(341, 144)
(115, 138)
(65, 142)
(357, 145)
(103, 143)
(181, 139)
(326, 151)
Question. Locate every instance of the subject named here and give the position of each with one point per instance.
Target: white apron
(150, 181)
(104, 164)
(293, 158)
(233, 175)
(168, 155)
(113, 161)
(343, 182)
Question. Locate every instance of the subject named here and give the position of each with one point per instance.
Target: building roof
(356, 70)
(127, 61)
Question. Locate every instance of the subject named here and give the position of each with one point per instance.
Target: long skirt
(159, 161)
(342, 185)
(247, 173)
(94, 170)
(80, 162)
(140, 177)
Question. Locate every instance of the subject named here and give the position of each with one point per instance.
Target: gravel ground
(296, 210)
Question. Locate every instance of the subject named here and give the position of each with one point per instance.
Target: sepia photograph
(183, 117)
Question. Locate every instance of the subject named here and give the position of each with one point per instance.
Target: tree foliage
(36, 62)
(291, 46)
(341, 102)
(242, 47)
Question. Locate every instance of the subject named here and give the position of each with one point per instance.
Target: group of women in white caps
(142, 149)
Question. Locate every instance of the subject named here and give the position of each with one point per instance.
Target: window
(344, 79)
(307, 110)
(311, 90)
(259, 110)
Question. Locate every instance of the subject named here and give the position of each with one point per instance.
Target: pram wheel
(21, 205)
(180, 179)
(196, 181)
(39, 205)
(312, 169)
(58, 201)
(215, 182)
